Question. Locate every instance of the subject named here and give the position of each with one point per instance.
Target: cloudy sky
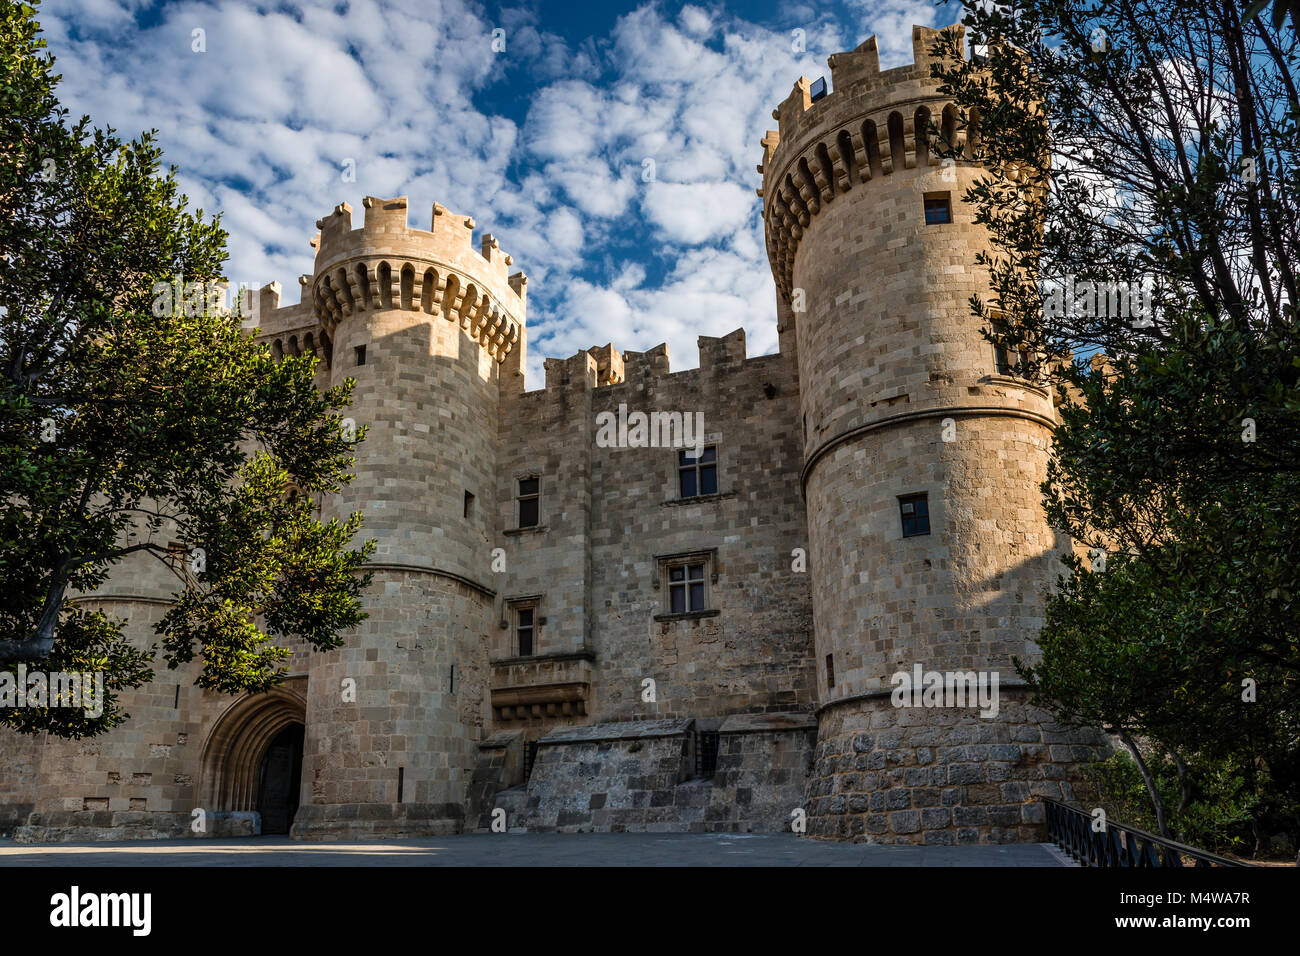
(610, 147)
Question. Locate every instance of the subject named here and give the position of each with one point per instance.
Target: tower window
(1012, 363)
(830, 671)
(698, 476)
(938, 209)
(360, 351)
(469, 504)
(1009, 361)
(915, 512)
(529, 498)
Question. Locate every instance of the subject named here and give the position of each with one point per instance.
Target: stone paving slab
(530, 849)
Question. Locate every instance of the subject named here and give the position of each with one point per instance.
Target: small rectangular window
(529, 498)
(524, 631)
(938, 209)
(830, 671)
(686, 588)
(698, 476)
(360, 351)
(1009, 361)
(469, 504)
(915, 512)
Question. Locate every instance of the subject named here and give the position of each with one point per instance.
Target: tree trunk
(1150, 782)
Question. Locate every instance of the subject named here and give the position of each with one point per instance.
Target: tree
(1146, 153)
(129, 421)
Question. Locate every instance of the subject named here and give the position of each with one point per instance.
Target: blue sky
(544, 144)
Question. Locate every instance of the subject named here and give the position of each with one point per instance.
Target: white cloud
(892, 22)
(260, 124)
(697, 212)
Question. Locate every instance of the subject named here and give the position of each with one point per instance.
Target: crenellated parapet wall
(604, 366)
(386, 265)
(871, 124)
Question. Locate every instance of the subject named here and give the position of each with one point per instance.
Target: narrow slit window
(360, 351)
(529, 501)
(830, 671)
(524, 626)
(469, 504)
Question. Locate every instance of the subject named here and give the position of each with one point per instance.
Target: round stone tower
(923, 458)
(425, 323)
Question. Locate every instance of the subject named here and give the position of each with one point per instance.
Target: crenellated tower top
(863, 129)
(387, 265)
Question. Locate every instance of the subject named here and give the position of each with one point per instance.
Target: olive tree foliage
(138, 426)
(1141, 199)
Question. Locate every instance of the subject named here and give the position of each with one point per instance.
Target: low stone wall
(763, 766)
(365, 821)
(500, 766)
(78, 826)
(84, 826)
(639, 776)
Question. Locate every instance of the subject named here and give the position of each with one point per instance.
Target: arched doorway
(252, 759)
(278, 784)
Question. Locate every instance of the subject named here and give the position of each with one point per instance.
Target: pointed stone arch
(231, 764)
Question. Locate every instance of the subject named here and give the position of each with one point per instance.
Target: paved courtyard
(528, 849)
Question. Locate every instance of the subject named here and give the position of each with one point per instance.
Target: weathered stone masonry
(537, 667)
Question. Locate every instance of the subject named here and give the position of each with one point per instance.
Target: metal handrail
(1071, 829)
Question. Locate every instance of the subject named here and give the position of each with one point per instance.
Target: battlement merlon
(604, 365)
(446, 246)
(858, 89)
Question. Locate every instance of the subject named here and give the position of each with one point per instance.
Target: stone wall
(609, 516)
(642, 776)
(941, 776)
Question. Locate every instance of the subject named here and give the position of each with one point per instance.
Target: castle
(574, 634)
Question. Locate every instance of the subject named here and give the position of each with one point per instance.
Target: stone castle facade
(568, 635)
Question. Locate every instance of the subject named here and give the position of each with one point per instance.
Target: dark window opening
(529, 499)
(686, 588)
(360, 351)
(938, 209)
(469, 504)
(706, 752)
(915, 512)
(830, 671)
(1012, 362)
(401, 779)
(524, 631)
(698, 476)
